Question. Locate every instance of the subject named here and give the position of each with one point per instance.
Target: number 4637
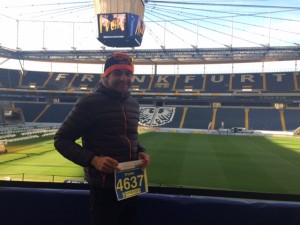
(130, 182)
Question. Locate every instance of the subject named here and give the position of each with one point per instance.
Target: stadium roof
(168, 56)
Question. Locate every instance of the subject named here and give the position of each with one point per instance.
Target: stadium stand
(2, 119)
(34, 79)
(292, 116)
(172, 114)
(55, 113)
(88, 81)
(161, 116)
(297, 80)
(13, 116)
(184, 82)
(163, 83)
(241, 82)
(280, 82)
(178, 101)
(231, 117)
(200, 118)
(9, 78)
(210, 83)
(31, 110)
(217, 83)
(191, 117)
(264, 119)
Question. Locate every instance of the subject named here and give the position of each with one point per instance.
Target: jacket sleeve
(140, 148)
(73, 127)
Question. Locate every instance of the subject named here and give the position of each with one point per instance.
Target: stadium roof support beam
(163, 56)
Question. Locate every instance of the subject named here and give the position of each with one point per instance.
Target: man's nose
(123, 76)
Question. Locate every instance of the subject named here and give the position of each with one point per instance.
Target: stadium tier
(281, 82)
(259, 101)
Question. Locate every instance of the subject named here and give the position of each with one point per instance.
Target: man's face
(120, 80)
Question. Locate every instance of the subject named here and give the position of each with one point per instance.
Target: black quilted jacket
(107, 122)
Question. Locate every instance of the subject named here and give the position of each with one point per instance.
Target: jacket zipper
(125, 132)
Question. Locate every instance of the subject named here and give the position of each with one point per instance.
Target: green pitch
(242, 163)
(37, 160)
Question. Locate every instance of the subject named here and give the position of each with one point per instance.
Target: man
(107, 122)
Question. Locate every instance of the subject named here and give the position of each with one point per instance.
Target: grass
(37, 161)
(242, 163)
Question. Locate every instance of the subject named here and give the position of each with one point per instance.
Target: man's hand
(105, 164)
(146, 159)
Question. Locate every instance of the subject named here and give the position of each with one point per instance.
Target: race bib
(130, 181)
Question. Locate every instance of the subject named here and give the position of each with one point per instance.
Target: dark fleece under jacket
(107, 122)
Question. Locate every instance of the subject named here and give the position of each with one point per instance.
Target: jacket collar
(109, 92)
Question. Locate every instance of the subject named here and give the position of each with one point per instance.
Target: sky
(72, 24)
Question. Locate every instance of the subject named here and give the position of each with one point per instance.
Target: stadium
(218, 86)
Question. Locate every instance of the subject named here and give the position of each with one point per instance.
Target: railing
(24, 177)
